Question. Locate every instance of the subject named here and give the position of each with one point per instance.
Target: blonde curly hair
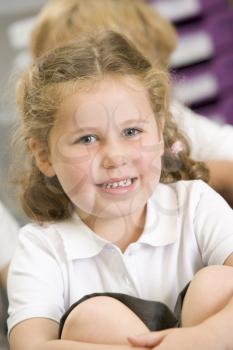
(60, 21)
(58, 74)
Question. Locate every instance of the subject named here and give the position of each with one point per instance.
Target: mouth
(118, 183)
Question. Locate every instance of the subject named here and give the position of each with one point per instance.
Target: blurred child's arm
(221, 173)
(8, 241)
(41, 334)
(3, 276)
(211, 143)
(208, 140)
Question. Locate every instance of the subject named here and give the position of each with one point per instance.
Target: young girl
(60, 21)
(117, 237)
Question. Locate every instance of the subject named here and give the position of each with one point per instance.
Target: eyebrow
(135, 121)
(129, 121)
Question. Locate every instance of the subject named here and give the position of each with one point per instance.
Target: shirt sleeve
(208, 140)
(213, 225)
(8, 236)
(35, 284)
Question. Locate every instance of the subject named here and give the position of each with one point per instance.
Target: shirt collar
(162, 218)
(161, 226)
(78, 239)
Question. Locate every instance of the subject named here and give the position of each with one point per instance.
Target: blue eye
(87, 139)
(130, 132)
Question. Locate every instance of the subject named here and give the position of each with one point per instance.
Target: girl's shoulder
(48, 234)
(184, 188)
(66, 239)
(37, 229)
(192, 188)
(45, 228)
(43, 240)
(184, 194)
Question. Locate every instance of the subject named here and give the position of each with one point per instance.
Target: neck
(120, 231)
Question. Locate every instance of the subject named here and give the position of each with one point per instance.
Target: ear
(41, 155)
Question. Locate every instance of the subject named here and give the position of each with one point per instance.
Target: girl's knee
(83, 314)
(102, 319)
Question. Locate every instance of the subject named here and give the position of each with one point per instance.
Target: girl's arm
(214, 332)
(41, 334)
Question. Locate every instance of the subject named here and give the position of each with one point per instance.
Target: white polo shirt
(188, 226)
(208, 139)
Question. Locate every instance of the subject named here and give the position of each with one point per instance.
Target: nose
(114, 161)
(114, 156)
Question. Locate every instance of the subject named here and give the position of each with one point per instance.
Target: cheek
(150, 171)
(73, 177)
(154, 165)
(73, 166)
(149, 158)
(150, 166)
(70, 154)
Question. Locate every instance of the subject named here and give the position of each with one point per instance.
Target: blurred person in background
(61, 21)
(8, 240)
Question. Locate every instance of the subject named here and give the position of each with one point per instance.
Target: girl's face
(105, 148)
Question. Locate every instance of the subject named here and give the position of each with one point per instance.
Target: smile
(122, 183)
(118, 187)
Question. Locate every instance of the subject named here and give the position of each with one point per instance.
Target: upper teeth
(123, 183)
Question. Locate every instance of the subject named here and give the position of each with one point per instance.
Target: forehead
(109, 99)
